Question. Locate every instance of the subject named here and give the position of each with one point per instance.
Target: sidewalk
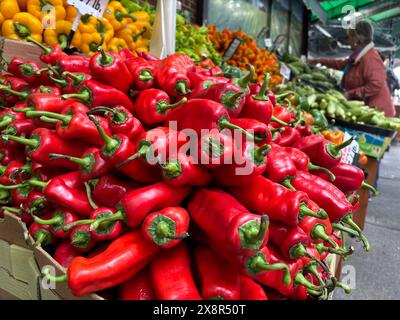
(376, 271)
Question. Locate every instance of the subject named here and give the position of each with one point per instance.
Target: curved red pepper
(41, 234)
(166, 227)
(21, 128)
(261, 132)
(57, 221)
(280, 168)
(50, 55)
(289, 136)
(250, 290)
(143, 73)
(138, 287)
(282, 114)
(111, 230)
(215, 149)
(65, 253)
(48, 102)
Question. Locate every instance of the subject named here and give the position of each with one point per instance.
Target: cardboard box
(21, 262)
(22, 49)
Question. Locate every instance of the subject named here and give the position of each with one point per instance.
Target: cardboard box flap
(13, 230)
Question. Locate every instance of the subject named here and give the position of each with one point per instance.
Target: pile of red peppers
(94, 159)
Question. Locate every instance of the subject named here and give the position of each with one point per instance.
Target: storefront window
(280, 24)
(296, 27)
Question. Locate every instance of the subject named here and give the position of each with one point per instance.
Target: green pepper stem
(312, 267)
(299, 279)
(369, 187)
(110, 143)
(46, 50)
(181, 87)
(101, 109)
(312, 167)
(163, 106)
(5, 123)
(119, 15)
(61, 82)
(298, 251)
(80, 161)
(225, 123)
(318, 232)
(143, 150)
(305, 211)
(262, 95)
(48, 120)
(78, 223)
(54, 220)
(83, 95)
(37, 183)
(21, 94)
(21, 30)
(171, 169)
(41, 237)
(261, 152)
(278, 96)
(106, 59)
(64, 118)
(346, 288)
(89, 196)
(233, 98)
(28, 142)
(119, 215)
(136, 36)
(288, 183)
(244, 82)
(334, 149)
(183, 235)
(12, 210)
(353, 231)
(146, 76)
(275, 119)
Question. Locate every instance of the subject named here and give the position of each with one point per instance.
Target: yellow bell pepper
(142, 43)
(116, 44)
(141, 16)
(87, 24)
(91, 42)
(105, 28)
(22, 5)
(70, 13)
(127, 33)
(144, 26)
(118, 15)
(1, 18)
(36, 8)
(8, 8)
(21, 26)
(59, 35)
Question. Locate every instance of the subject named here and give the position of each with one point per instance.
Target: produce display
(194, 41)
(125, 24)
(248, 52)
(99, 158)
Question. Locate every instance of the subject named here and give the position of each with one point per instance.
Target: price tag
(285, 71)
(95, 8)
(268, 42)
(233, 46)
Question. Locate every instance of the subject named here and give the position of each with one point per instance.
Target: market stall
(231, 169)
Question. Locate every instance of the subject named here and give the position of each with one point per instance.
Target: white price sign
(268, 42)
(95, 8)
(285, 71)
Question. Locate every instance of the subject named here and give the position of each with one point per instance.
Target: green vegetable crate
(20, 265)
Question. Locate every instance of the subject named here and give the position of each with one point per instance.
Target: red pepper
(14, 90)
(153, 105)
(41, 234)
(47, 89)
(229, 95)
(111, 230)
(91, 164)
(21, 128)
(138, 287)
(218, 278)
(142, 72)
(181, 169)
(289, 136)
(196, 79)
(282, 116)
(349, 178)
(321, 151)
(24, 216)
(147, 56)
(82, 238)
(43, 142)
(37, 204)
(261, 132)
(48, 102)
(20, 195)
(172, 74)
(8, 116)
(262, 195)
(49, 55)
(109, 190)
(109, 68)
(123, 258)
(25, 70)
(58, 220)
(120, 120)
(126, 54)
(71, 82)
(167, 227)
(95, 94)
(250, 162)
(118, 151)
(8, 154)
(74, 63)
(304, 130)
(171, 275)
(225, 221)
(65, 253)
(44, 173)
(137, 204)
(7, 173)
(215, 149)
(250, 290)
(331, 199)
(75, 125)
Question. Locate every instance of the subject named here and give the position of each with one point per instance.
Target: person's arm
(374, 75)
(337, 64)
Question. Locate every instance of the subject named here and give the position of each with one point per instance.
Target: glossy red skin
(110, 190)
(225, 142)
(173, 69)
(15, 84)
(219, 215)
(74, 63)
(275, 295)
(48, 102)
(312, 251)
(273, 279)
(171, 275)
(282, 114)
(72, 85)
(197, 78)
(197, 114)
(138, 287)
(325, 194)
(123, 151)
(255, 127)
(233, 174)
(250, 290)
(33, 230)
(126, 54)
(15, 69)
(279, 165)
(131, 127)
(57, 229)
(116, 74)
(308, 223)
(299, 158)
(192, 174)
(91, 240)
(123, 258)
(65, 253)
(255, 88)
(349, 178)
(289, 136)
(179, 215)
(304, 130)
(50, 142)
(9, 154)
(146, 107)
(35, 197)
(18, 198)
(137, 204)
(100, 166)
(147, 56)
(299, 293)
(216, 92)
(260, 110)
(113, 231)
(217, 277)
(137, 70)
(11, 167)
(53, 90)
(286, 237)
(12, 115)
(264, 196)
(21, 128)
(54, 56)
